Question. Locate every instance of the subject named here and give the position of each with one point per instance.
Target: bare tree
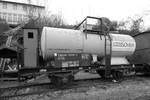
(131, 26)
(114, 26)
(136, 25)
(49, 21)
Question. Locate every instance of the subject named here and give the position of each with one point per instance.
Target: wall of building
(15, 13)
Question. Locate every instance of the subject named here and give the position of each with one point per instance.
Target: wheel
(101, 73)
(117, 75)
(71, 78)
(56, 81)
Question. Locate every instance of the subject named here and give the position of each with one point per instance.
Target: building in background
(17, 12)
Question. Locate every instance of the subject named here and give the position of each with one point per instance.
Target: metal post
(1, 68)
(18, 63)
(107, 54)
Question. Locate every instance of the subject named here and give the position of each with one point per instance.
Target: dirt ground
(130, 89)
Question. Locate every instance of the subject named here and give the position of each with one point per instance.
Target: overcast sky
(76, 10)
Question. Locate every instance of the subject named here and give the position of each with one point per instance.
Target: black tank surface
(142, 52)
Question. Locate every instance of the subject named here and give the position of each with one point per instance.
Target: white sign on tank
(122, 45)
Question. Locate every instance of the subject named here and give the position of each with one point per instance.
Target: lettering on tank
(123, 44)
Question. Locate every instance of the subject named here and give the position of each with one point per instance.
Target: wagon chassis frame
(51, 71)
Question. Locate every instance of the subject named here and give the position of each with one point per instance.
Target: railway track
(32, 89)
(39, 88)
(24, 90)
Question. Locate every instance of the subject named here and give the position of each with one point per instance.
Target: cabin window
(30, 35)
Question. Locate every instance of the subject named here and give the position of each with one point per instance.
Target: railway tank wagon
(66, 51)
(141, 56)
(60, 41)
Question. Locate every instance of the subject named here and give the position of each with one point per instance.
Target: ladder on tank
(104, 22)
(108, 47)
(108, 52)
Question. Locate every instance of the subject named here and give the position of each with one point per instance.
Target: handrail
(86, 19)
